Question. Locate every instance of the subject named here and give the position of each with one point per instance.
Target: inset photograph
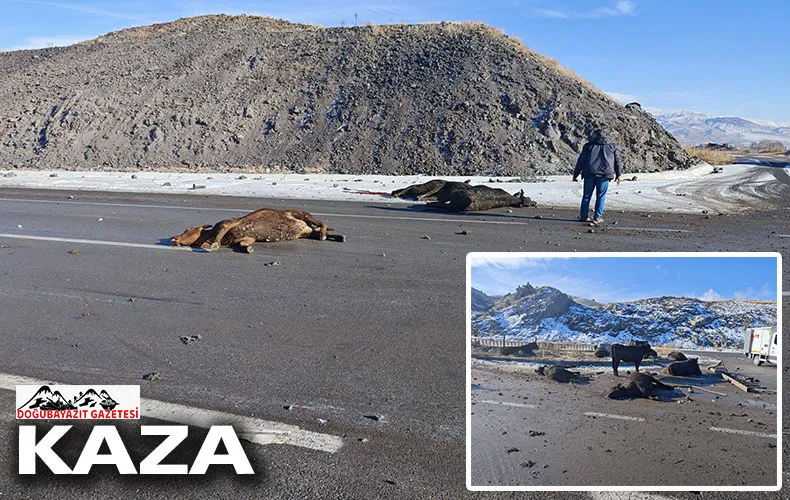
(652, 371)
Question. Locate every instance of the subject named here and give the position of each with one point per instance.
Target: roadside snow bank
(689, 191)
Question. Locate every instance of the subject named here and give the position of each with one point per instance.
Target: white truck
(761, 344)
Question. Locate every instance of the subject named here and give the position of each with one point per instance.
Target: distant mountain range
(691, 129)
(549, 315)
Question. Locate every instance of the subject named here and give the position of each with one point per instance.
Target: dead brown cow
(638, 385)
(479, 198)
(265, 224)
(427, 190)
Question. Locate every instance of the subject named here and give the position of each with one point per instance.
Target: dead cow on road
(427, 190)
(265, 224)
(558, 374)
(630, 354)
(684, 368)
(638, 385)
(523, 350)
(480, 198)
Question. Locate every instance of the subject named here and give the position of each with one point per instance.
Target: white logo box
(77, 402)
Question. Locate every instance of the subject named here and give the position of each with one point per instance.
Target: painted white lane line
(96, 242)
(250, 429)
(745, 433)
(625, 495)
(786, 294)
(609, 415)
(321, 214)
(506, 403)
(243, 211)
(652, 229)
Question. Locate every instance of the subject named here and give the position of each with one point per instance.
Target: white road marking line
(624, 495)
(95, 242)
(785, 294)
(250, 429)
(244, 210)
(506, 403)
(652, 229)
(320, 214)
(745, 433)
(609, 415)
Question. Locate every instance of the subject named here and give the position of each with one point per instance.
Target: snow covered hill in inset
(546, 314)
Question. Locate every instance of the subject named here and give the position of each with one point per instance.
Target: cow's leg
(244, 243)
(219, 230)
(615, 364)
(636, 365)
(311, 221)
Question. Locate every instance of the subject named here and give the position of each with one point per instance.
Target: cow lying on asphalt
(427, 190)
(524, 350)
(684, 368)
(638, 385)
(265, 224)
(479, 198)
(630, 354)
(677, 356)
(558, 374)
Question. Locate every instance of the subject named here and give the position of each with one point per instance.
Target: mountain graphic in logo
(46, 399)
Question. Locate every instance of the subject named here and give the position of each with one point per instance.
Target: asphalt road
(529, 431)
(362, 340)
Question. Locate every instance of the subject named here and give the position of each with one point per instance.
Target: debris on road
(536, 433)
(513, 450)
(73, 252)
(272, 263)
(153, 376)
(527, 464)
(188, 339)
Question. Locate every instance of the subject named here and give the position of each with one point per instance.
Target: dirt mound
(223, 93)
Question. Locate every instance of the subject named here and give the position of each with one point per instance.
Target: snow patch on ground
(650, 192)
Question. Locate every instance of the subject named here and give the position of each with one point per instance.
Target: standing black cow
(630, 354)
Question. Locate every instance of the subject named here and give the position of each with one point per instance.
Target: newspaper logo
(79, 402)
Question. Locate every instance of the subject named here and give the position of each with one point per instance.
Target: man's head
(597, 136)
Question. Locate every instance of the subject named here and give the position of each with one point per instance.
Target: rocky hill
(546, 314)
(226, 93)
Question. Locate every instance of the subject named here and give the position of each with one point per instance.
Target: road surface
(528, 431)
(362, 341)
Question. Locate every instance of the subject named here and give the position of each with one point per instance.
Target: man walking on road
(598, 163)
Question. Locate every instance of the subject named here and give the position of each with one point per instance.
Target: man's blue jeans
(599, 185)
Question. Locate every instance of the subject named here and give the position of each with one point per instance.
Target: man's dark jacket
(599, 157)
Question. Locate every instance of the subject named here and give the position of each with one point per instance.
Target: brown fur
(265, 224)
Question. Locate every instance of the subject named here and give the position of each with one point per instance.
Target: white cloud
(621, 8)
(622, 98)
(87, 9)
(711, 295)
(41, 42)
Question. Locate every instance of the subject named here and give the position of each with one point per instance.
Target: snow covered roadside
(675, 191)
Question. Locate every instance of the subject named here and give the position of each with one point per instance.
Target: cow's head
(190, 236)
(524, 201)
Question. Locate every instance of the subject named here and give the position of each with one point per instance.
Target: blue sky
(613, 279)
(714, 57)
